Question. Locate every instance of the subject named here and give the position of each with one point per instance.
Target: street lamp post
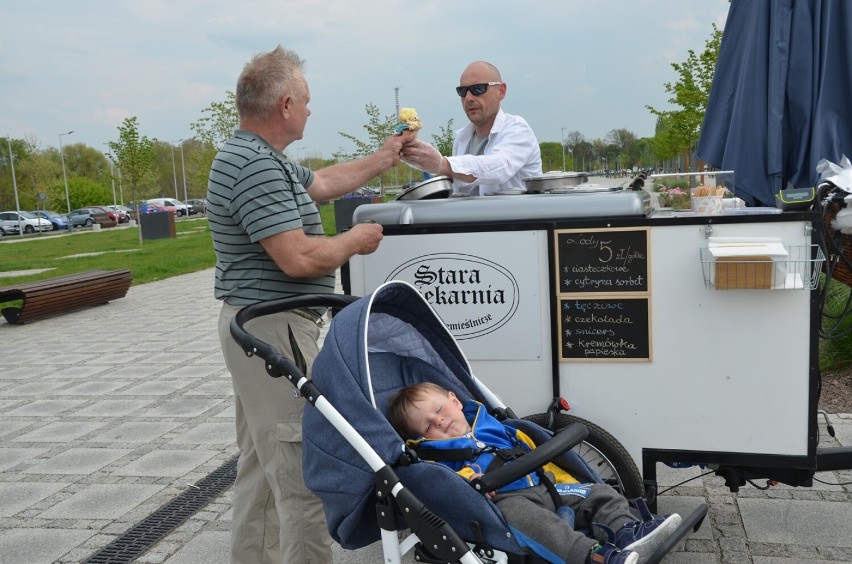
(563, 149)
(174, 170)
(573, 162)
(65, 179)
(15, 186)
(183, 171)
(120, 191)
(111, 177)
(64, 176)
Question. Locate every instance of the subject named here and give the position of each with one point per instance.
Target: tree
(133, 155)
(444, 140)
(551, 155)
(217, 124)
(22, 153)
(578, 147)
(378, 129)
(681, 128)
(220, 121)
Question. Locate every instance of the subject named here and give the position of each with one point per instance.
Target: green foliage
(678, 130)
(378, 129)
(836, 346)
(219, 122)
(133, 155)
(551, 156)
(86, 192)
(443, 141)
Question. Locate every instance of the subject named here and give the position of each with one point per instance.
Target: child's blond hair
(401, 402)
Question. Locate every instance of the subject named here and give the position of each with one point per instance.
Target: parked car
(58, 221)
(180, 208)
(198, 206)
(114, 215)
(86, 217)
(12, 222)
(123, 213)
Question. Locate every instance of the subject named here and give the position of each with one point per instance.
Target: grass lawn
(115, 249)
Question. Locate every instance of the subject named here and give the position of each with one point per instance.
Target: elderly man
(269, 243)
(494, 152)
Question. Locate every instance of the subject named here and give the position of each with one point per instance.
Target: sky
(570, 65)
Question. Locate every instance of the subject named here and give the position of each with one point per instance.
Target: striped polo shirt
(254, 192)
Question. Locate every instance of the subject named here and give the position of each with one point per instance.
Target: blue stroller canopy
(375, 346)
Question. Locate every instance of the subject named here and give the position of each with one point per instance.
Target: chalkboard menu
(604, 294)
(602, 260)
(612, 329)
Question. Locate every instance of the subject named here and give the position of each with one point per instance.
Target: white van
(181, 209)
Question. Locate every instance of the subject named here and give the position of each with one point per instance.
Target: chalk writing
(611, 260)
(605, 328)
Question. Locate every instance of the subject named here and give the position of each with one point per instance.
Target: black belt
(310, 315)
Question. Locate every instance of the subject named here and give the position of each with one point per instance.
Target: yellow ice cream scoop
(408, 121)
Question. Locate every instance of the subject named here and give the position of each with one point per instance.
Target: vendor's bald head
(482, 110)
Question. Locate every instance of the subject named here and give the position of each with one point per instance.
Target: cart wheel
(603, 453)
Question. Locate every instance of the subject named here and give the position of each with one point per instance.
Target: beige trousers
(276, 519)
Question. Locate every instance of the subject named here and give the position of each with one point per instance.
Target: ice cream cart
(682, 339)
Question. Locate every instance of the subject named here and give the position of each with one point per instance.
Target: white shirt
(511, 154)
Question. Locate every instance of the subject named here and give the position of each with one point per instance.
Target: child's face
(437, 416)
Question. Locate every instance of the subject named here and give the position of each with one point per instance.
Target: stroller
(372, 486)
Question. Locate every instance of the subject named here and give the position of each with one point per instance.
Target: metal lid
(435, 187)
(556, 174)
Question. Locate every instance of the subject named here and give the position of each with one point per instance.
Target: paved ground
(109, 413)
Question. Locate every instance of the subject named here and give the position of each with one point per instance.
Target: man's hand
(422, 156)
(365, 237)
(393, 146)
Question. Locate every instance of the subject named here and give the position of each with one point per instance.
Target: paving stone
(102, 501)
(798, 523)
(17, 496)
(78, 461)
(25, 545)
(173, 463)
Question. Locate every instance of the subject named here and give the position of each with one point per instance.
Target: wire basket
(839, 248)
(800, 270)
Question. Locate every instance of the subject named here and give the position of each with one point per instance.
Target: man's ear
(284, 105)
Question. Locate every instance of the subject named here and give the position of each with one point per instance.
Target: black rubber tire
(90, 222)
(29, 229)
(603, 453)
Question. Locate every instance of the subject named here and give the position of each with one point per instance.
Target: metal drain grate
(145, 534)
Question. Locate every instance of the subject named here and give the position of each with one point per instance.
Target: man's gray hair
(265, 79)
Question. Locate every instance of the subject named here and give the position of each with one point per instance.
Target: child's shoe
(611, 554)
(645, 536)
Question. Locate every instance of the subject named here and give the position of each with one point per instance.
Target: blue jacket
(487, 436)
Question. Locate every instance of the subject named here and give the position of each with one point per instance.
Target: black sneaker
(611, 554)
(646, 535)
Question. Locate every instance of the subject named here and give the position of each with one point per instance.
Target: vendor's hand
(422, 156)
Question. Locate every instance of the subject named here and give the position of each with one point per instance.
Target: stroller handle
(276, 363)
(562, 441)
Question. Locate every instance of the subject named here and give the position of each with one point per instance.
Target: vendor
(494, 152)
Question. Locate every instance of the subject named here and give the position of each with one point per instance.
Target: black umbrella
(781, 98)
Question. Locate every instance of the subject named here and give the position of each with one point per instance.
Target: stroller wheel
(603, 453)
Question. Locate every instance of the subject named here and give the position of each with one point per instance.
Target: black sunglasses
(475, 89)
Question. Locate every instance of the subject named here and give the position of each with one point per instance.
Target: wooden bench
(62, 294)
